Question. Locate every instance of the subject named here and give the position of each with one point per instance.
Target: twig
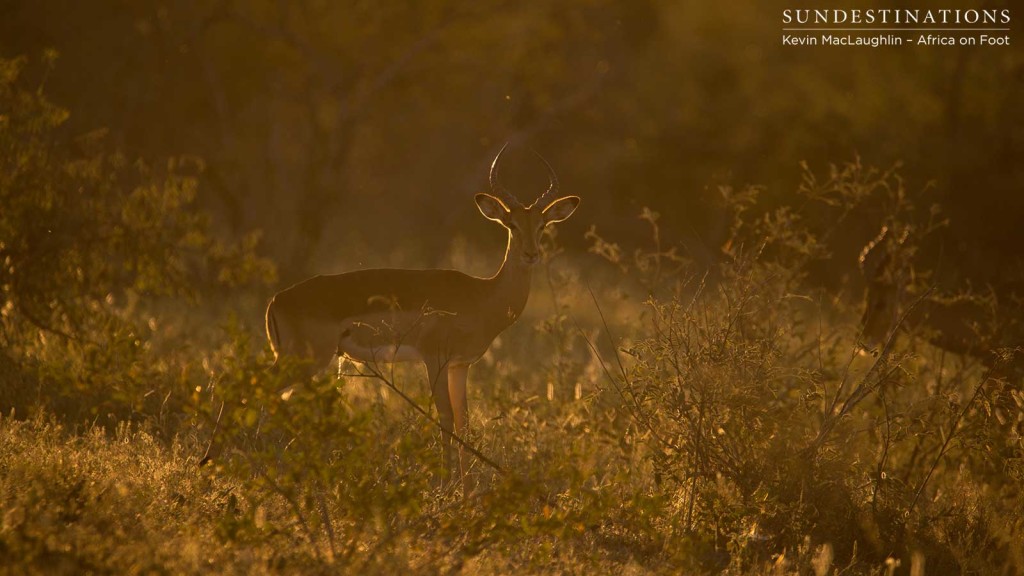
(375, 373)
(213, 436)
(834, 411)
(949, 438)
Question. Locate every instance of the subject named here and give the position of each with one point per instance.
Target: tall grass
(650, 415)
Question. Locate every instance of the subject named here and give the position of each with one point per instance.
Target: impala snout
(531, 257)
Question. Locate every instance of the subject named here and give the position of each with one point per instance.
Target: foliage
(665, 417)
(89, 245)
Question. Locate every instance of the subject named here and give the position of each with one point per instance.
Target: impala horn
(496, 186)
(552, 190)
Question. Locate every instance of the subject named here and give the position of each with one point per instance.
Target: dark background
(344, 130)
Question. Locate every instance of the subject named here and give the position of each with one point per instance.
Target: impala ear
(492, 208)
(560, 209)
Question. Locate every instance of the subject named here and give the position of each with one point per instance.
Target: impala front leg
(457, 376)
(437, 372)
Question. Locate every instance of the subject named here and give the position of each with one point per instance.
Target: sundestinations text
(895, 16)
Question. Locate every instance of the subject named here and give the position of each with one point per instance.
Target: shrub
(89, 244)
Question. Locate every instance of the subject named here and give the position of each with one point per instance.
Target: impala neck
(511, 284)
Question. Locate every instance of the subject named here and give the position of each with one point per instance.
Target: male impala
(442, 318)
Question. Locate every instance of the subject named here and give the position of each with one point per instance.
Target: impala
(962, 324)
(442, 318)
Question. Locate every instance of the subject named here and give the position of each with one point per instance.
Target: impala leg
(438, 376)
(457, 376)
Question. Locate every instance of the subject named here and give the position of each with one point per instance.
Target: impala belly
(392, 336)
(387, 353)
(397, 336)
